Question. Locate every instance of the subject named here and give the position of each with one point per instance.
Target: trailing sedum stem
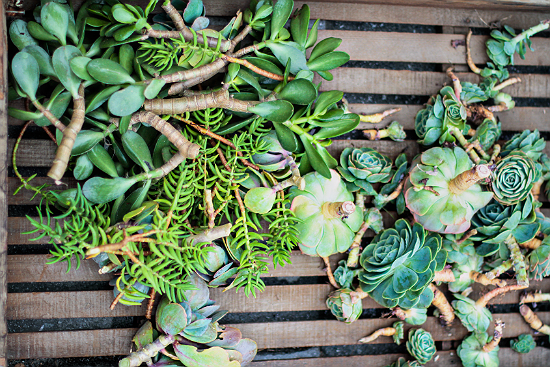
(146, 354)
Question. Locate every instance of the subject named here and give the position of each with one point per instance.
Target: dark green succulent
(361, 167)
(523, 344)
(474, 317)
(472, 354)
(344, 306)
(344, 275)
(487, 133)
(514, 178)
(475, 93)
(421, 345)
(383, 197)
(400, 263)
(530, 143)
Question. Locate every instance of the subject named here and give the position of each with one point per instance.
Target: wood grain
(476, 4)
(425, 47)
(3, 185)
(25, 197)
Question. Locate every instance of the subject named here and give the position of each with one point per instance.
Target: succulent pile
(200, 156)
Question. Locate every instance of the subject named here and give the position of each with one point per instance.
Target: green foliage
(523, 344)
(421, 345)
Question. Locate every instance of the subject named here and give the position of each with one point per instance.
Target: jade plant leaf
(57, 108)
(299, 91)
(122, 14)
(144, 335)
(193, 10)
(214, 356)
(26, 72)
(78, 66)
(315, 159)
(172, 319)
(103, 190)
(281, 12)
(109, 72)
(84, 168)
(102, 160)
(276, 111)
(286, 52)
(153, 89)
(329, 61)
(42, 58)
(19, 34)
(325, 100)
(55, 19)
(137, 149)
(299, 25)
(61, 61)
(99, 98)
(127, 101)
(38, 32)
(86, 140)
(324, 47)
(288, 139)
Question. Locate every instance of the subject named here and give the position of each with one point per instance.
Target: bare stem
(387, 331)
(507, 83)
(499, 327)
(456, 83)
(210, 234)
(485, 280)
(469, 60)
(533, 320)
(378, 117)
(329, 272)
(445, 275)
(518, 261)
(502, 268)
(468, 178)
(146, 354)
(532, 297)
(482, 301)
(338, 209)
(469, 234)
(442, 304)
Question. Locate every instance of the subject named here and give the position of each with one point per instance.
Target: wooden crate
(398, 54)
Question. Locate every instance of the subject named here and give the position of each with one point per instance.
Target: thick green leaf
(23, 115)
(62, 65)
(250, 79)
(109, 72)
(325, 46)
(299, 25)
(281, 12)
(154, 88)
(55, 19)
(325, 100)
(161, 144)
(124, 124)
(264, 65)
(276, 111)
(315, 158)
(126, 56)
(214, 356)
(299, 91)
(19, 34)
(78, 66)
(26, 71)
(103, 190)
(285, 52)
(133, 201)
(173, 319)
(38, 32)
(312, 38)
(57, 108)
(122, 14)
(127, 101)
(83, 168)
(99, 98)
(341, 127)
(102, 160)
(42, 58)
(329, 61)
(193, 10)
(86, 140)
(137, 149)
(286, 137)
(327, 157)
(326, 75)
(124, 33)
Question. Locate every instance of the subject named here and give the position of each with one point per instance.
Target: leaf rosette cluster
(421, 345)
(514, 178)
(361, 167)
(471, 351)
(343, 306)
(400, 263)
(523, 344)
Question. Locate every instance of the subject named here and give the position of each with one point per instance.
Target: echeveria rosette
(473, 316)
(445, 208)
(472, 354)
(344, 275)
(428, 123)
(530, 143)
(465, 259)
(361, 167)
(487, 133)
(344, 306)
(455, 112)
(523, 344)
(399, 264)
(514, 178)
(475, 93)
(421, 345)
(319, 233)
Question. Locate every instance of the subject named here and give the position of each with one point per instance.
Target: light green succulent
(487, 133)
(344, 306)
(421, 345)
(361, 167)
(523, 344)
(514, 178)
(474, 317)
(472, 354)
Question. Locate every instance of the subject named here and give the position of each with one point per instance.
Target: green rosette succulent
(344, 275)
(523, 344)
(528, 142)
(399, 264)
(402, 362)
(474, 317)
(475, 93)
(421, 345)
(361, 167)
(487, 133)
(416, 316)
(344, 306)
(447, 206)
(399, 332)
(514, 177)
(472, 354)
(383, 197)
(321, 231)
(464, 259)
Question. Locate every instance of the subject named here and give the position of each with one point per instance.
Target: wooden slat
(23, 197)
(425, 47)
(18, 225)
(33, 153)
(475, 4)
(381, 81)
(3, 185)
(298, 334)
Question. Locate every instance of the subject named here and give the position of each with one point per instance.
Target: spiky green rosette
(487, 133)
(523, 344)
(400, 263)
(322, 232)
(442, 112)
(385, 194)
(274, 158)
(402, 362)
(343, 306)
(361, 167)
(514, 177)
(441, 191)
(528, 142)
(474, 317)
(421, 345)
(471, 351)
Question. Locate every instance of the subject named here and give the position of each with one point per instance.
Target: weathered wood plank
(25, 197)
(88, 343)
(32, 152)
(18, 225)
(381, 81)
(3, 185)
(425, 47)
(476, 4)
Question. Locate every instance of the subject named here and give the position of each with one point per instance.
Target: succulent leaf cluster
(523, 344)
(472, 354)
(344, 306)
(421, 345)
(362, 167)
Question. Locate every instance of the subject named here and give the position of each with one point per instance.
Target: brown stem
(112, 247)
(471, 132)
(239, 37)
(209, 207)
(64, 149)
(145, 354)
(469, 60)
(49, 133)
(175, 16)
(221, 139)
(506, 83)
(442, 304)
(107, 268)
(357, 295)
(532, 244)
(468, 178)
(375, 134)
(397, 190)
(475, 112)
(255, 69)
(378, 117)
(482, 301)
(401, 314)
(50, 116)
(116, 300)
(210, 235)
(499, 326)
(445, 275)
(387, 331)
(178, 88)
(533, 320)
(532, 297)
(188, 35)
(456, 83)
(469, 234)
(501, 107)
(502, 268)
(338, 209)
(150, 303)
(483, 279)
(329, 272)
(496, 152)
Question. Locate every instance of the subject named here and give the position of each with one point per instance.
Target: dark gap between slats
(28, 171)
(58, 286)
(67, 362)
(80, 323)
(31, 249)
(22, 210)
(36, 132)
(380, 27)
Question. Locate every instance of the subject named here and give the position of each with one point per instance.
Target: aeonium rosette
(361, 167)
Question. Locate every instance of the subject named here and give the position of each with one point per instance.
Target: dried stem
(353, 257)
(532, 297)
(469, 60)
(499, 327)
(502, 268)
(150, 303)
(532, 244)
(468, 178)
(209, 207)
(112, 247)
(255, 69)
(445, 275)
(338, 209)
(210, 234)
(175, 16)
(378, 117)
(442, 304)
(387, 331)
(329, 272)
(464, 143)
(376, 134)
(456, 83)
(518, 261)
(507, 83)
(357, 295)
(469, 234)
(533, 320)
(64, 149)
(146, 354)
(482, 301)
(501, 107)
(483, 279)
